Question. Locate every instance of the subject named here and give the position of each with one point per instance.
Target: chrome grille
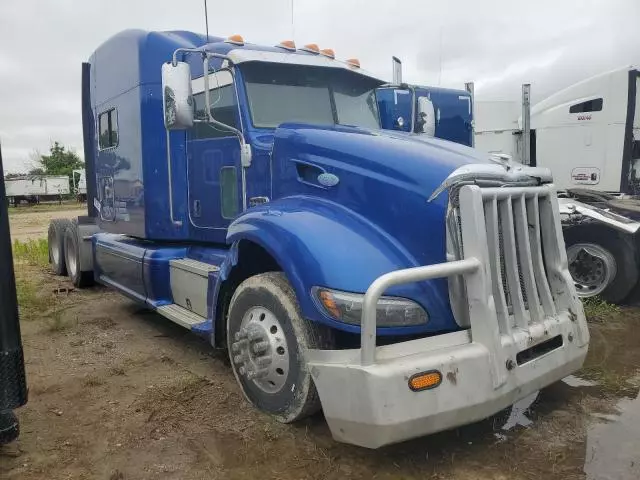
(514, 220)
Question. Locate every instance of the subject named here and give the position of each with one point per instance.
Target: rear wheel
(79, 278)
(267, 340)
(55, 237)
(601, 263)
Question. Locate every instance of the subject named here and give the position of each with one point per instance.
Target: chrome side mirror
(177, 100)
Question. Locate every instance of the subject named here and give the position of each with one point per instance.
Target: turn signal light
(330, 304)
(311, 48)
(287, 45)
(328, 52)
(235, 39)
(425, 380)
(354, 62)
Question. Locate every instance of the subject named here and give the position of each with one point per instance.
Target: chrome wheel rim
(55, 251)
(592, 268)
(260, 352)
(71, 257)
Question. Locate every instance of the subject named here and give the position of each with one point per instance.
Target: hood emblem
(328, 179)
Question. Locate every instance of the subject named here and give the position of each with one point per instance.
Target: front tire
(267, 338)
(601, 263)
(55, 238)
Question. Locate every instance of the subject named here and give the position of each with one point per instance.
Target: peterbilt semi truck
(588, 134)
(403, 285)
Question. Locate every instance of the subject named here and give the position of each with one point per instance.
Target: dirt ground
(32, 222)
(117, 392)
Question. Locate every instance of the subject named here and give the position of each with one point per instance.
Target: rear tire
(267, 338)
(610, 253)
(57, 229)
(79, 278)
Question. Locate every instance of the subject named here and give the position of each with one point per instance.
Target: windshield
(280, 93)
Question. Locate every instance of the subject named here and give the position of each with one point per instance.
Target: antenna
(440, 61)
(293, 26)
(206, 20)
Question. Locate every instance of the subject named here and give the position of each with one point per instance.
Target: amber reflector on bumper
(425, 380)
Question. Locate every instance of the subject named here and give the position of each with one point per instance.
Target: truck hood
(385, 178)
(422, 162)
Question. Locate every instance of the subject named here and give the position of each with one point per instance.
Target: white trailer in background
(36, 188)
(589, 136)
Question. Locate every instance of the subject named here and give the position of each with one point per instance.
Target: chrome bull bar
(489, 320)
(399, 277)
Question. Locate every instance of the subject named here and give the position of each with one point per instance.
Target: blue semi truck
(402, 284)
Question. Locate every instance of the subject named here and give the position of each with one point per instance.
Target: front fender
(317, 242)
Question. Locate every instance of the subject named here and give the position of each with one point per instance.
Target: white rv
(589, 136)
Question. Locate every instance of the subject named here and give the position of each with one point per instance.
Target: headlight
(391, 312)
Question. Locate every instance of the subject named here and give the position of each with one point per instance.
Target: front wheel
(601, 264)
(267, 340)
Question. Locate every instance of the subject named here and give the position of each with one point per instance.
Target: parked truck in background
(80, 185)
(402, 284)
(36, 188)
(436, 112)
(588, 134)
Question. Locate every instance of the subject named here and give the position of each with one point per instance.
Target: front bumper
(372, 405)
(511, 349)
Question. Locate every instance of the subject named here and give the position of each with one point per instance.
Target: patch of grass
(611, 382)
(56, 322)
(93, 381)
(597, 309)
(31, 304)
(33, 252)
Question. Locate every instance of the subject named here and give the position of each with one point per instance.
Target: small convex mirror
(426, 121)
(177, 101)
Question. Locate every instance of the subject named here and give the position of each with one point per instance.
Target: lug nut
(260, 347)
(242, 371)
(263, 361)
(254, 335)
(235, 347)
(237, 359)
(263, 372)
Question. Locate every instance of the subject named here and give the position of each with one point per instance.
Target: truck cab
(437, 112)
(250, 194)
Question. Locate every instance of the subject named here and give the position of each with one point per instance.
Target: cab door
(213, 157)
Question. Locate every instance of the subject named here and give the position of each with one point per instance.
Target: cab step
(182, 316)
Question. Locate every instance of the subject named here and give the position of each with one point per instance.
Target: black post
(13, 384)
(88, 138)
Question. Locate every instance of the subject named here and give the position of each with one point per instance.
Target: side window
(108, 129)
(224, 109)
(228, 192)
(594, 105)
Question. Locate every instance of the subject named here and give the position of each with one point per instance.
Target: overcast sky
(499, 44)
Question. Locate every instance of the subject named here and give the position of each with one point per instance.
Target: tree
(60, 161)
